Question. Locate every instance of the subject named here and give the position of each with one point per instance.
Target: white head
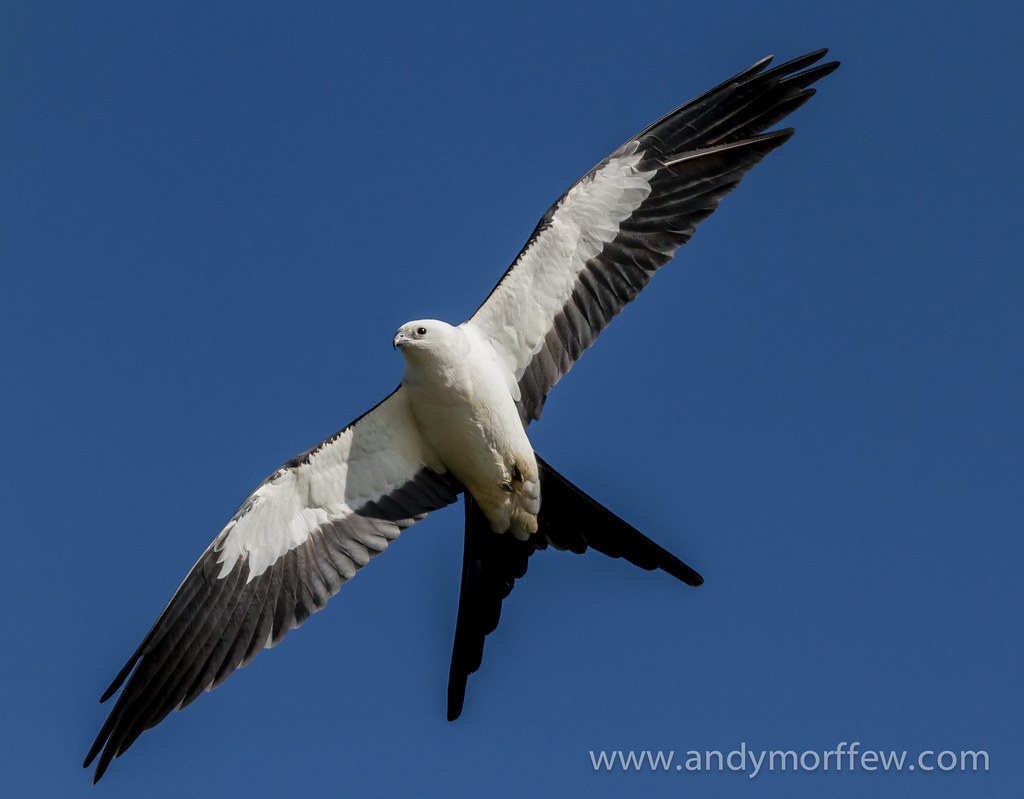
(431, 345)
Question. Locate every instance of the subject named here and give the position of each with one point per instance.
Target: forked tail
(569, 519)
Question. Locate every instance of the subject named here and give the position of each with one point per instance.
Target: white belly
(468, 417)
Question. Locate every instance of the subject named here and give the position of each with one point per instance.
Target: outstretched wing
(491, 564)
(598, 245)
(306, 530)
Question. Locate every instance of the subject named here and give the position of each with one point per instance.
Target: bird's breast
(470, 421)
(466, 413)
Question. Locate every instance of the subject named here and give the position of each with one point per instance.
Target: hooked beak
(399, 340)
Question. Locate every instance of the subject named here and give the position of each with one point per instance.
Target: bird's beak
(399, 340)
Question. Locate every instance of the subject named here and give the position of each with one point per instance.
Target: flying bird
(457, 422)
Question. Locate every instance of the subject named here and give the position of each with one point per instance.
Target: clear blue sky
(214, 218)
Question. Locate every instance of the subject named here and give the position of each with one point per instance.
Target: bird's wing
(491, 564)
(598, 245)
(306, 530)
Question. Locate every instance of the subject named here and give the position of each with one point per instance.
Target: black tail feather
(570, 520)
(490, 566)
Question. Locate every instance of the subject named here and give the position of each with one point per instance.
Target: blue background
(216, 215)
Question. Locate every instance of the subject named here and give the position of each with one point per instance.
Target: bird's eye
(421, 331)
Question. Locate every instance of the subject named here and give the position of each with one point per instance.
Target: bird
(457, 423)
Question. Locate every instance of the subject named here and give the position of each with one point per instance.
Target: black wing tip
(803, 67)
(111, 690)
(802, 61)
(759, 69)
(102, 747)
(96, 748)
(759, 65)
(826, 69)
(126, 669)
(101, 767)
(776, 137)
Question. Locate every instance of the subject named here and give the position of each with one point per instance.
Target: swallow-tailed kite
(457, 423)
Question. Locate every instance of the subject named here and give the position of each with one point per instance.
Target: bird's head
(430, 342)
(417, 334)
